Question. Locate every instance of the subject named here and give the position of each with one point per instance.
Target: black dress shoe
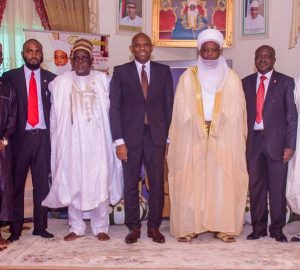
(255, 235)
(133, 235)
(156, 235)
(13, 237)
(43, 234)
(279, 237)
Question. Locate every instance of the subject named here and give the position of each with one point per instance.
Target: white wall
(242, 52)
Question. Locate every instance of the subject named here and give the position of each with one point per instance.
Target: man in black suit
(141, 96)
(272, 128)
(31, 142)
(8, 113)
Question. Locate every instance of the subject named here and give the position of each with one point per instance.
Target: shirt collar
(139, 65)
(268, 74)
(28, 71)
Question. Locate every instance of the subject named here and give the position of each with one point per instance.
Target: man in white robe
(293, 176)
(85, 171)
(208, 177)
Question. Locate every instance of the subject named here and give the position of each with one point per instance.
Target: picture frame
(130, 16)
(254, 16)
(177, 24)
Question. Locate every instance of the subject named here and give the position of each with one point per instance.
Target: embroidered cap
(82, 44)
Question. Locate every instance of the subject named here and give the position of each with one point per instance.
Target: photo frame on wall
(130, 16)
(177, 23)
(254, 18)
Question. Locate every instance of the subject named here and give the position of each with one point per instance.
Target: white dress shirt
(260, 126)
(37, 74)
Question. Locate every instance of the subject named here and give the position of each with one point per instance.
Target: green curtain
(18, 15)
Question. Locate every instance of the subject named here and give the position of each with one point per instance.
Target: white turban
(254, 4)
(192, 2)
(210, 35)
(61, 46)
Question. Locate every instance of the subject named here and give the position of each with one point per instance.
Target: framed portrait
(254, 18)
(130, 15)
(177, 23)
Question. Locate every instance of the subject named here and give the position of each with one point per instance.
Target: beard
(34, 66)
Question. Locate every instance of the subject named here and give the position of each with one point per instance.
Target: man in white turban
(254, 22)
(61, 53)
(208, 177)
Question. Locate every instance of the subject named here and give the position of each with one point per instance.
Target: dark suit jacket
(128, 105)
(17, 78)
(279, 114)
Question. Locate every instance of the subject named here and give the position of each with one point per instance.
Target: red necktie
(144, 82)
(33, 111)
(260, 97)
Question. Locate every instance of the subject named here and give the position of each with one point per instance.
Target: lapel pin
(275, 81)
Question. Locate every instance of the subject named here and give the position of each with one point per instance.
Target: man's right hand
(122, 152)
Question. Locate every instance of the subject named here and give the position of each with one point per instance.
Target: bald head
(141, 47)
(140, 35)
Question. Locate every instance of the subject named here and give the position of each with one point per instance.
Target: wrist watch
(4, 141)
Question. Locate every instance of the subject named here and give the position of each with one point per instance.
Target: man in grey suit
(271, 142)
(141, 96)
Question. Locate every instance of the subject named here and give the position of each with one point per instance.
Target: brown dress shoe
(102, 236)
(133, 236)
(156, 236)
(72, 236)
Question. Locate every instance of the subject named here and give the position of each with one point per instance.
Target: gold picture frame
(172, 25)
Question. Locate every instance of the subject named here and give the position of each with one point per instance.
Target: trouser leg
(100, 218)
(76, 222)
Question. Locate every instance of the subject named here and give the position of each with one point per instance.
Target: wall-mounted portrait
(130, 15)
(254, 14)
(177, 23)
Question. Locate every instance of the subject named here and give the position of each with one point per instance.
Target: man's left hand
(287, 154)
(2, 145)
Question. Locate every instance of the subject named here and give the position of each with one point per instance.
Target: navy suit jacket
(279, 114)
(17, 78)
(128, 105)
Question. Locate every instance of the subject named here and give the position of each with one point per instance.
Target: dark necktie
(144, 82)
(260, 97)
(33, 111)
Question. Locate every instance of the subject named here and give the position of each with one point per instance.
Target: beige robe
(208, 178)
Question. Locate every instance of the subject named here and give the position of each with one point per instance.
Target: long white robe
(208, 177)
(293, 177)
(85, 170)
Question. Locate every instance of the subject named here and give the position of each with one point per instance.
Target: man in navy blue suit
(271, 142)
(141, 99)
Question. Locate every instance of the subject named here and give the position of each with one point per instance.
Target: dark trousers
(266, 176)
(33, 153)
(153, 157)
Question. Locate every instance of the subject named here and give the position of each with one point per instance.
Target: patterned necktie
(260, 96)
(33, 111)
(144, 82)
